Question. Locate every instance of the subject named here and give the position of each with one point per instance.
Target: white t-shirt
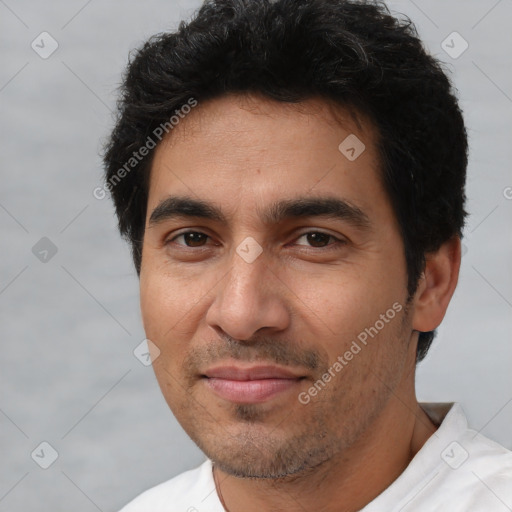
(456, 470)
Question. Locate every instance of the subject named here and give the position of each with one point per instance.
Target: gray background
(68, 375)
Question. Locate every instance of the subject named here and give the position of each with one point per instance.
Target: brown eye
(192, 239)
(316, 239)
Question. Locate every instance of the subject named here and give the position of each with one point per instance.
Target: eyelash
(337, 241)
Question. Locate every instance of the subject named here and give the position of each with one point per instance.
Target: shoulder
(457, 470)
(480, 468)
(473, 472)
(190, 491)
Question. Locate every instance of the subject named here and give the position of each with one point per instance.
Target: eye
(318, 239)
(191, 239)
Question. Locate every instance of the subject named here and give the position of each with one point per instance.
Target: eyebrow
(301, 207)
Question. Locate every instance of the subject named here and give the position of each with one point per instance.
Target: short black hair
(353, 53)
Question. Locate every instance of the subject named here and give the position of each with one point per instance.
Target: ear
(436, 286)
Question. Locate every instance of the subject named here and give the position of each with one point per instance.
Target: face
(273, 283)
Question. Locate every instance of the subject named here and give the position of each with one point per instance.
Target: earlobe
(437, 285)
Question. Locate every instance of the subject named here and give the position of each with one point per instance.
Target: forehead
(241, 152)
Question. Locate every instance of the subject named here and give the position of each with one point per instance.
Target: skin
(300, 304)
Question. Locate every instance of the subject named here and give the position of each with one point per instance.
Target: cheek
(172, 303)
(344, 307)
(163, 303)
(164, 307)
(152, 303)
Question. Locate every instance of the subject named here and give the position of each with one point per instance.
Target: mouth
(251, 385)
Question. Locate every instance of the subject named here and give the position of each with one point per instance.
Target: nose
(250, 298)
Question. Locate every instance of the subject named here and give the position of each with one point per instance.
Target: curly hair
(353, 53)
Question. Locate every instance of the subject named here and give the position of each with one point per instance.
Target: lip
(250, 385)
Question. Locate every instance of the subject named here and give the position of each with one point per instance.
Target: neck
(346, 482)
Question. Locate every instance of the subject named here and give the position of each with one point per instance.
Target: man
(290, 175)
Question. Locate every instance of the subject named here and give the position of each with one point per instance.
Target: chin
(253, 452)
